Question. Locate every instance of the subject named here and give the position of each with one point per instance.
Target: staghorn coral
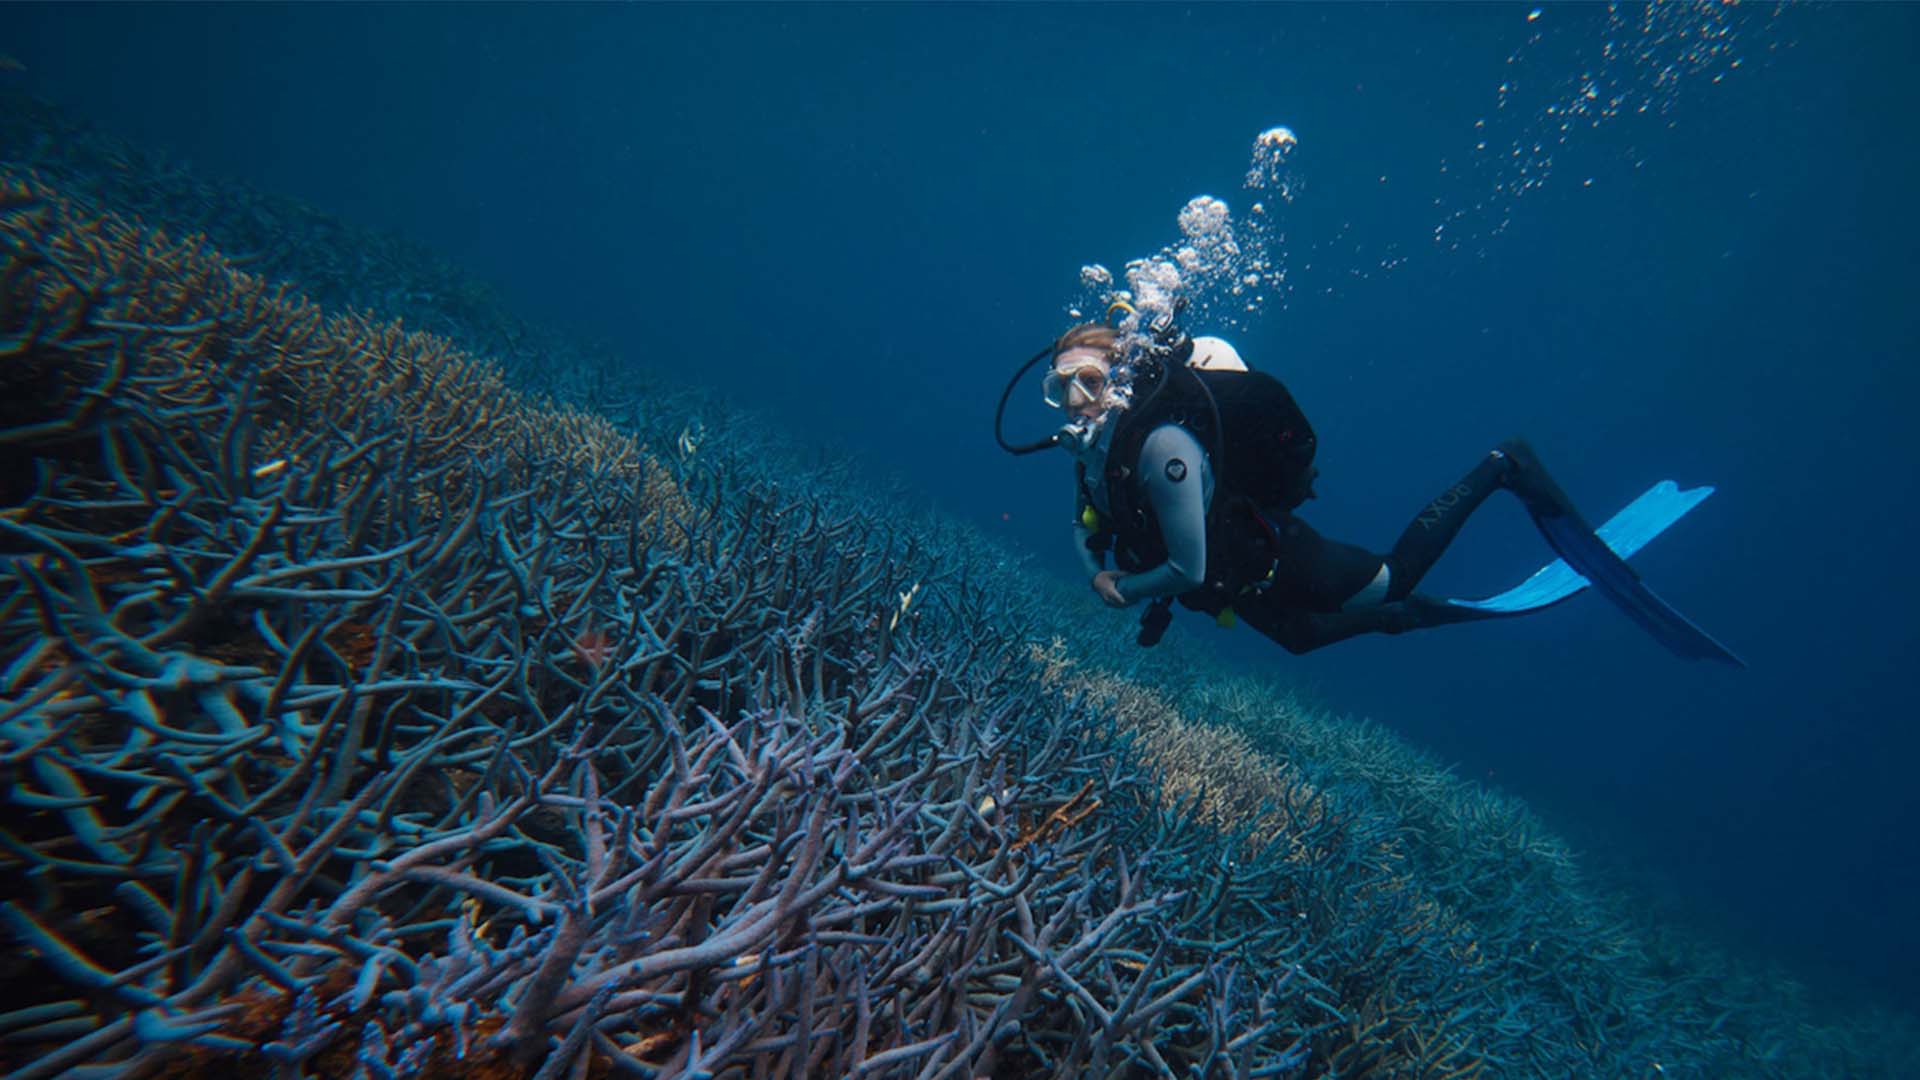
(312, 770)
(1391, 938)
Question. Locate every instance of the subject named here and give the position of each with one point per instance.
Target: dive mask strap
(1000, 414)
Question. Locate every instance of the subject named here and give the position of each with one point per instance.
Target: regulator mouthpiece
(1079, 434)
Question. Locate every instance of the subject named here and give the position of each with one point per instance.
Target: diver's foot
(1432, 611)
(1528, 479)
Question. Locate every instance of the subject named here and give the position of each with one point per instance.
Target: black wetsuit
(1316, 591)
(1311, 600)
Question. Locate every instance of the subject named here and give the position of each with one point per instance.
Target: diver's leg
(1528, 479)
(1299, 605)
(1420, 546)
(1313, 573)
(1300, 631)
(1338, 591)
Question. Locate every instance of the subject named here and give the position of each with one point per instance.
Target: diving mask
(1082, 385)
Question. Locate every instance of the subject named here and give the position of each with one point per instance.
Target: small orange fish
(594, 648)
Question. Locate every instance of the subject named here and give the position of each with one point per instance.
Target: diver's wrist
(1103, 586)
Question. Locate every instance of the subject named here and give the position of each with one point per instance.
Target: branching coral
(312, 769)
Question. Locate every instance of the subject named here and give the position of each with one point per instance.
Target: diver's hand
(1106, 584)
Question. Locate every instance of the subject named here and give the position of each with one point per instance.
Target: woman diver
(1189, 469)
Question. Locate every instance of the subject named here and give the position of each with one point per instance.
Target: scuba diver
(1189, 469)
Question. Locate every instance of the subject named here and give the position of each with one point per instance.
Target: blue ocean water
(860, 219)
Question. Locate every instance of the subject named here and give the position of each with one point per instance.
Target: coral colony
(371, 708)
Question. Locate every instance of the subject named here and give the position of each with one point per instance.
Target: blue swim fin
(1626, 533)
(1598, 558)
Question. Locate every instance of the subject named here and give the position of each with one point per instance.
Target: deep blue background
(861, 218)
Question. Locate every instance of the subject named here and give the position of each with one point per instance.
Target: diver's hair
(1090, 336)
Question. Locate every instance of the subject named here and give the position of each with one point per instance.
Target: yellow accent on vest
(1090, 518)
(1227, 618)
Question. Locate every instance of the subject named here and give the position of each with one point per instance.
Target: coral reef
(379, 702)
(359, 718)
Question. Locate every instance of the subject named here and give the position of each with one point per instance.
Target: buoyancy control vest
(1261, 448)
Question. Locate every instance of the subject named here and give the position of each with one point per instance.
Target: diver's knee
(1294, 634)
(1379, 589)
